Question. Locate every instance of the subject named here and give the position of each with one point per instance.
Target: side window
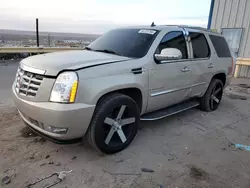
(220, 46)
(200, 45)
(174, 39)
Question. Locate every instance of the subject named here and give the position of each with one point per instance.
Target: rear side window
(174, 39)
(200, 45)
(220, 46)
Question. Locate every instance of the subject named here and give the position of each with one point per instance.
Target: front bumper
(76, 117)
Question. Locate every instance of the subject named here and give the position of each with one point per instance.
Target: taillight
(230, 69)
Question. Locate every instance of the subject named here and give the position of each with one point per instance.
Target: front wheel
(114, 124)
(212, 98)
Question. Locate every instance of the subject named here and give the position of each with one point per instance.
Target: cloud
(98, 16)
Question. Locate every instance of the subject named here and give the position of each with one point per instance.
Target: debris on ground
(26, 132)
(230, 144)
(234, 96)
(31, 157)
(43, 164)
(73, 158)
(160, 186)
(51, 163)
(242, 147)
(120, 161)
(201, 128)
(244, 85)
(39, 140)
(121, 173)
(173, 157)
(9, 175)
(47, 156)
(6, 180)
(198, 173)
(147, 170)
(60, 177)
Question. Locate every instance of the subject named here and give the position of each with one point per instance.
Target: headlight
(65, 87)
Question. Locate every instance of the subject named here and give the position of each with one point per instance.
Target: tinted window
(126, 42)
(174, 39)
(200, 46)
(220, 46)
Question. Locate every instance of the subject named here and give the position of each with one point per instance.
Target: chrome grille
(27, 83)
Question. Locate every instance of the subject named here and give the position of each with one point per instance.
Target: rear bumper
(75, 117)
(228, 80)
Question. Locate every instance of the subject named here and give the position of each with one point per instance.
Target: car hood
(52, 63)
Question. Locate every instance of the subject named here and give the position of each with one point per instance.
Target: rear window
(199, 44)
(220, 46)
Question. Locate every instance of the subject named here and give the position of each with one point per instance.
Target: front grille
(27, 83)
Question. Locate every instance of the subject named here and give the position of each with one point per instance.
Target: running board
(165, 112)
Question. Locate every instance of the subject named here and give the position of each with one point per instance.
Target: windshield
(133, 43)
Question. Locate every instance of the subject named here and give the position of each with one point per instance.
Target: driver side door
(170, 81)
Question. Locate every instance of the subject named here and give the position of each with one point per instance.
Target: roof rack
(196, 27)
(193, 27)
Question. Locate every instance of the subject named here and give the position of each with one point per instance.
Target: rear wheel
(114, 124)
(212, 98)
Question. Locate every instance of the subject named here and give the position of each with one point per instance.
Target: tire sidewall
(209, 92)
(105, 108)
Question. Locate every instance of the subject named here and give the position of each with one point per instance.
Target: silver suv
(126, 75)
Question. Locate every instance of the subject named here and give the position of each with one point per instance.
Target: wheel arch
(221, 76)
(134, 92)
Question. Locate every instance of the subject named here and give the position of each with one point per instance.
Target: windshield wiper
(88, 48)
(108, 52)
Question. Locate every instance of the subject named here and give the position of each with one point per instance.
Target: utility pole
(49, 39)
(37, 33)
(3, 39)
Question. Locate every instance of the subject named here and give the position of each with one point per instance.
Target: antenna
(152, 24)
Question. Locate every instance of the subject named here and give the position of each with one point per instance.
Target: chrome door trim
(202, 83)
(169, 91)
(31, 69)
(175, 89)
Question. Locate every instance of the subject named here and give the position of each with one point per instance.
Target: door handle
(185, 69)
(211, 65)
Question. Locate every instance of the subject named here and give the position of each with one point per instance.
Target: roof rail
(194, 27)
(198, 28)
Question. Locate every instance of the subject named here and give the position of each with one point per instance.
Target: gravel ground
(190, 149)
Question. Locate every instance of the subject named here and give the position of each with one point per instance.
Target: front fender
(92, 89)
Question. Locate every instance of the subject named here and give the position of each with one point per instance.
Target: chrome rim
(216, 96)
(119, 128)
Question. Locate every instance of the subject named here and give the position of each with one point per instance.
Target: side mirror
(169, 54)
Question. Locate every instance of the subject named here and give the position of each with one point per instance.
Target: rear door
(201, 62)
(222, 59)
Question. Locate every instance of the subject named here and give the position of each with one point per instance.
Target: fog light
(47, 128)
(59, 130)
(56, 130)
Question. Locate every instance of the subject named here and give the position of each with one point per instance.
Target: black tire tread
(100, 108)
(204, 100)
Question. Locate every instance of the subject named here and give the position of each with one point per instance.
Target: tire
(212, 98)
(114, 124)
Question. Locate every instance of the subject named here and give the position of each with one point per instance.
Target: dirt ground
(190, 149)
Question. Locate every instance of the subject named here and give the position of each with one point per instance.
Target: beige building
(232, 19)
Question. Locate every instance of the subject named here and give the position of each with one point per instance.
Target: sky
(99, 16)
